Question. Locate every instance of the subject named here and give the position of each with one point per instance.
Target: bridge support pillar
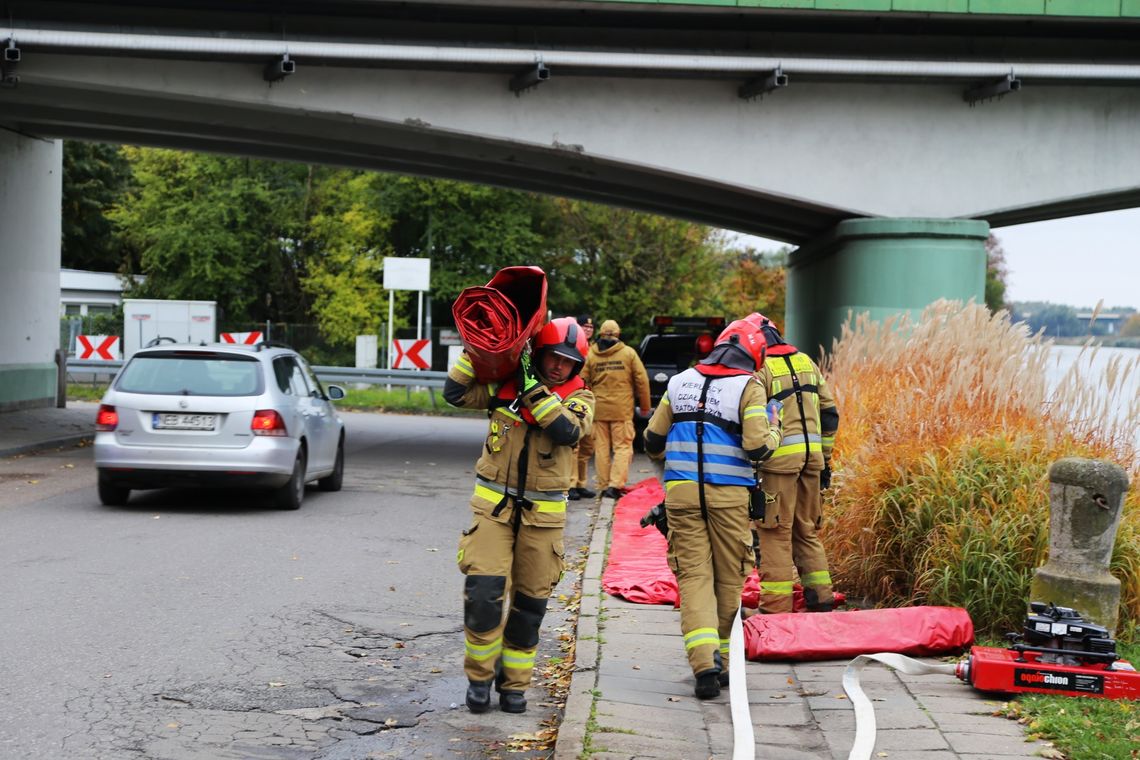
(31, 172)
(881, 266)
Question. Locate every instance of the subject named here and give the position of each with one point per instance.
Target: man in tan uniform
(793, 477)
(581, 488)
(518, 508)
(713, 429)
(614, 373)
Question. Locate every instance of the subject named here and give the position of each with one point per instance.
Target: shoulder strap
(701, 448)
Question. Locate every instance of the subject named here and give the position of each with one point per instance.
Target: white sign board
(407, 274)
(367, 350)
(449, 338)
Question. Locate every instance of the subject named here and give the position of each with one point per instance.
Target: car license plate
(184, 421)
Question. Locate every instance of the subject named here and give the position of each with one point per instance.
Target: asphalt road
(195, 624)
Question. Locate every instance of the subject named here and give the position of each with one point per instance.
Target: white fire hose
(744, 741)
(864, 713)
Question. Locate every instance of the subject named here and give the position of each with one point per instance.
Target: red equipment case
(1012, 672)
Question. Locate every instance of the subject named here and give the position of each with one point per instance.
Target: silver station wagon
(218, 415)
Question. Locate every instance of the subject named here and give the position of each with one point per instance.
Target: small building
(83, 293)
(1105, 324)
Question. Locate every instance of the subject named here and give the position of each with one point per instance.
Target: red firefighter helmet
(748, 336)
(565, 337)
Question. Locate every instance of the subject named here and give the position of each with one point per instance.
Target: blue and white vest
(724, 461)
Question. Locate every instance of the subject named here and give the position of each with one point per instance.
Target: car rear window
(191, 374)
(669, 350)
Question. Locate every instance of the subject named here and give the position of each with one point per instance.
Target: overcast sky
(1075, 261)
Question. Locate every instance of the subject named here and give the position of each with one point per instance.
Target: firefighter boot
(478, 696)
(708, 684)
(722, 676)
(512, 701)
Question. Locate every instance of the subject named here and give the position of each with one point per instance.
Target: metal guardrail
(400, 377)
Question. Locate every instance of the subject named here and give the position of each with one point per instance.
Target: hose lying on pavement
(743, 740)
(864, 713)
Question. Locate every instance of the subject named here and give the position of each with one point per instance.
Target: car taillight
(107, 418)
(267, 422)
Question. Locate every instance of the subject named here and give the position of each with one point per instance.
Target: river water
(1098, 364)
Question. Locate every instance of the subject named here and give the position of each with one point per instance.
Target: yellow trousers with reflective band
(711, 561)
(532, 562)
(615, 435)
(789, 541)
(584, 453)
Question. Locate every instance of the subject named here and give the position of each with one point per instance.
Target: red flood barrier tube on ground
(497, 319)
(915, 631)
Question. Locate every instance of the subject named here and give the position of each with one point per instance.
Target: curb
(53, 443)
(587, 649)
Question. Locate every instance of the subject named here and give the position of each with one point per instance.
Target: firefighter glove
(825, 478)
(657, 518)
(757, 503)
(528, 379)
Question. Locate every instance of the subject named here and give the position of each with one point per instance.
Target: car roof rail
(160, 340)
(264, 344)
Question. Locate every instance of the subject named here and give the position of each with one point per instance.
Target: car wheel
(290, 495)
(334, 480)
(112, 495)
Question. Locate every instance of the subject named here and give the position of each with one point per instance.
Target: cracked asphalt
(206, 624)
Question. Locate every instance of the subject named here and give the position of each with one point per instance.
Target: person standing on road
(519, 507)
(713, 429)
(615, 374)
(793, 479)
(581, 487)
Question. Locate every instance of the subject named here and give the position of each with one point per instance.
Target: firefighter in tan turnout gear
(793, 477)
(514, 543)
(617, 377)
(713, 429)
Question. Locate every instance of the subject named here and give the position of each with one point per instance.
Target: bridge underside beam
(251, 129)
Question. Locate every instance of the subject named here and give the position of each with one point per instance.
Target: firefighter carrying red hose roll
(513, 548)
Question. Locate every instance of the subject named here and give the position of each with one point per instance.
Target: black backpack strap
(799, 390)
(701, 448)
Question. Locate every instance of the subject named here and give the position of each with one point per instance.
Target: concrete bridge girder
(840, 149)
(791, 167)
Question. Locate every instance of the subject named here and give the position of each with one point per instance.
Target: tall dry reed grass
(948, 428)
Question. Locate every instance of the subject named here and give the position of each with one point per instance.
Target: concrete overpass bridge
(884, 137)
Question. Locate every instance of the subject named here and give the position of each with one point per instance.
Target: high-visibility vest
(724, 462)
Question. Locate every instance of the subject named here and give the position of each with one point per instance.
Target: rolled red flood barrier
(497, 319)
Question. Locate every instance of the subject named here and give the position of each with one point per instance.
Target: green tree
(627, 266)
(1056, 320)
(217, 228)
(348, 236)
(996, 274)
(1131, 327)
(95, 177)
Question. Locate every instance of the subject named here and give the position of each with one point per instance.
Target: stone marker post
(1086, 500)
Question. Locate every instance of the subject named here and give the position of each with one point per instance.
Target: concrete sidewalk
(631, 696)
(28, 430)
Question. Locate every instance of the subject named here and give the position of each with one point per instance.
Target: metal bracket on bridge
(1007, 84)
(277, 70)
(758, 87)
(530, 78)
(10, 64)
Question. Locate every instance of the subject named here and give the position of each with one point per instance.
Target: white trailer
(145, 319)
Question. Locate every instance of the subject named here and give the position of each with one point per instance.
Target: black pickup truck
(673, 346)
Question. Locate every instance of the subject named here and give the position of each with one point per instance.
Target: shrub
(947, 433)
